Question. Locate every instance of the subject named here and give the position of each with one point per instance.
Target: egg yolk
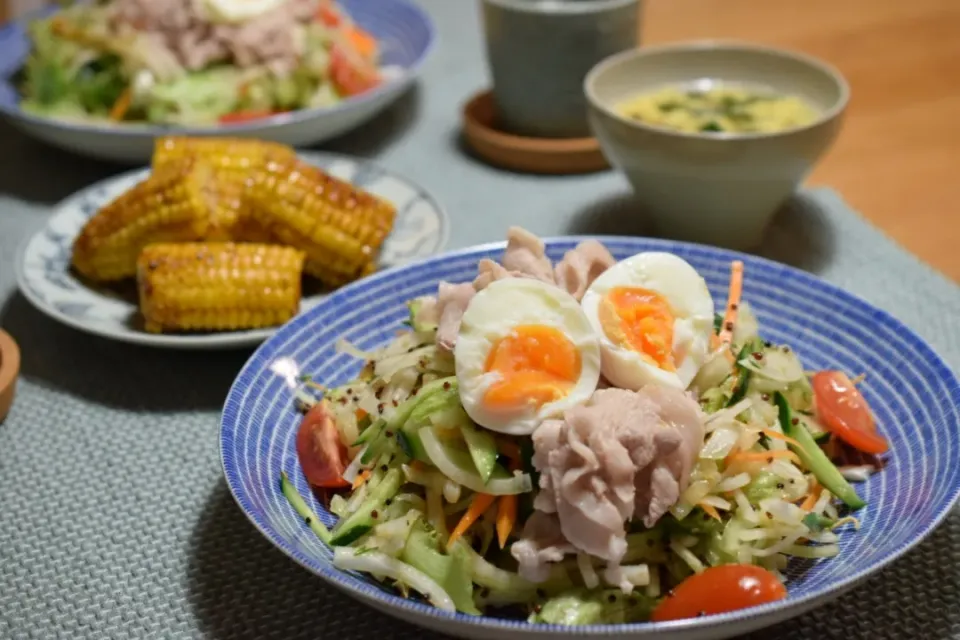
(640, 320)
(537, 365)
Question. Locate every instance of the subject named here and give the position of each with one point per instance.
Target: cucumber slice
(365, 517)
(820, 435)
(743, 374)
(387, 429)
(415, 322)
(367, 434)
(482, 448)
(438, 399)
(305, 512)
(459, 467)
(821, 438)
(814, 458)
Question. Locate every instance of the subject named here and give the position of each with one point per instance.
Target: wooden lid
(9, 370)
(519, 153)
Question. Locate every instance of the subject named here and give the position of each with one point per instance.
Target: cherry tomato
(322, 455)
(351, 78)
(327, 14)
(718, 590)
(245, 116)
(362, 42)
(844, 412)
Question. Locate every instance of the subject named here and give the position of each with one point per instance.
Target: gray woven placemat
(114, 519)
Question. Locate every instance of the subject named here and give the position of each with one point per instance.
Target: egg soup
(719, 109)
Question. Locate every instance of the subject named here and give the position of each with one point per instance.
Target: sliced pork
(541, 545)
(452, 301)
(526, 254)
(581, 266)
(625, 455)
(272, 39)
(660, 483)
(489, 271)
(184, 29)
(524, 257)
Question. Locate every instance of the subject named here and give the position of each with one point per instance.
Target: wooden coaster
(519, 153)
(9, 370)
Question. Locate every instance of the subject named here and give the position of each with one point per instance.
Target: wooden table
(898, 157)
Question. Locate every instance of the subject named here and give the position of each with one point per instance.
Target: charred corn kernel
(169, 206)
(248, 229)
(340, 228)
(229, 218)
(217, 286)
(232, 158)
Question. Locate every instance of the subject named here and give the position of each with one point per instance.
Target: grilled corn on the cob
(217, 286)
(232, 160)
(230, 218)
(340, 228)
(236, 156)
(169, 206)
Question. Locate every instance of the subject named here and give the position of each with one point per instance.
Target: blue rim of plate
(12, 28)
(948, 397)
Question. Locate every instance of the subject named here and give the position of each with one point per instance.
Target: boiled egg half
(654, 316)
(236, 11)
(525, 353)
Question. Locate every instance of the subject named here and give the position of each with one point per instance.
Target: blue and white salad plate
(46, 279)
(406, 35)
(914, 394)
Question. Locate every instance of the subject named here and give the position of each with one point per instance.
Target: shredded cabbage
(381, 564)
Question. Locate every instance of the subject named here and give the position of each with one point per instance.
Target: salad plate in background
(398, 559)
(104, 79)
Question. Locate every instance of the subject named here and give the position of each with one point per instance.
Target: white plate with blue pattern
(914, 394)
(47, 280)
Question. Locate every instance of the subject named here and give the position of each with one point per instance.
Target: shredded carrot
(361, 414)
(506, 518)
(480, 503)
(362, 477)
(729, 459)
(121, 106)
(711, 511)
(761, 456)
(724, 349)
(733, 301)
(507, 507)
(364, 43)
(812, 497)
(776, 435)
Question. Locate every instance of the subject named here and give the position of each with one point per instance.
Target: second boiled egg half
(525, 353)
(654, 316)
